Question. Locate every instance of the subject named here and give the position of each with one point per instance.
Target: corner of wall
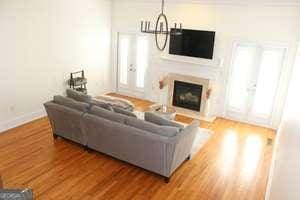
(6, 125)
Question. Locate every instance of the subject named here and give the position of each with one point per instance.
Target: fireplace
(187, 95)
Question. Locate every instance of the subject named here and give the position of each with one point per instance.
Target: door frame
(272, 121)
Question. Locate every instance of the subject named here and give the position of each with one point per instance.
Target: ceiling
(227, 2)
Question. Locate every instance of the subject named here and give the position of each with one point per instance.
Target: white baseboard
(6, 125)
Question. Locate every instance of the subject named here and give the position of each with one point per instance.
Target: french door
(133, 52)
(253, 83)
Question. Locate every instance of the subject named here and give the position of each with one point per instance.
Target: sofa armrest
(65, 122)
(183, 146)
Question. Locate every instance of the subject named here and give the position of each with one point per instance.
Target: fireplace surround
(193, 93)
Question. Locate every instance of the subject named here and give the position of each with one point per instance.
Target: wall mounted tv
(193, 43)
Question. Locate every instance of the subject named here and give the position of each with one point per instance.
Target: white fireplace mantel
(216, 62)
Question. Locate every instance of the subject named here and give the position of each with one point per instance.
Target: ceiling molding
(223, 2)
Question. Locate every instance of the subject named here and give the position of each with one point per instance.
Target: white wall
(42, 41)
(253, 23)
(284, 181)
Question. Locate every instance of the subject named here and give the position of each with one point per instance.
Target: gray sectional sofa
(158, 147)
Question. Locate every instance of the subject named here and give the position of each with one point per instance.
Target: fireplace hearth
(187, 95)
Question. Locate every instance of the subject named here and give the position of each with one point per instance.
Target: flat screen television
(193, 43)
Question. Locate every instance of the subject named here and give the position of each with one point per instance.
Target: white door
(253, 82)
(132, 63)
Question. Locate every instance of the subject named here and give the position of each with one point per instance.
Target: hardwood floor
(234, 164)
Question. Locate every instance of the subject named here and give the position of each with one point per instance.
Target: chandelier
(161, 28)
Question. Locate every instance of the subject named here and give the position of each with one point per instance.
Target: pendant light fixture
(161, 28)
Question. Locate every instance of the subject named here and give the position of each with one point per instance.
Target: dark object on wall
(193, 43)
(78, 81)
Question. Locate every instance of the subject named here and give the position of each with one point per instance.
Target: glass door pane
(141, 61)
(241, 75)
(267, 82)
(124, 41)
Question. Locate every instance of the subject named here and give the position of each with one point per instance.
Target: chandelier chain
(162, 6)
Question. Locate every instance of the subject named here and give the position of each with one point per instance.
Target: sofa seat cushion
(78, 96)
(167, 131)
(123, 112)
(68, 102)
(106, 114)
(156, 119)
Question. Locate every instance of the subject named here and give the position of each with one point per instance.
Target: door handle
(253, 88)
(131, 69)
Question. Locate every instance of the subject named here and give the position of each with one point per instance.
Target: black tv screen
(193, 43)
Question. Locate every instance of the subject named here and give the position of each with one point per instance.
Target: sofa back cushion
(106, 114)
(78, 96)
(156, 119)
(123, 112)
(167, 131)
(100, 104)
(65, 101)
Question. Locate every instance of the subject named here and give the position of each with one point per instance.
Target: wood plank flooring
(233, 165)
